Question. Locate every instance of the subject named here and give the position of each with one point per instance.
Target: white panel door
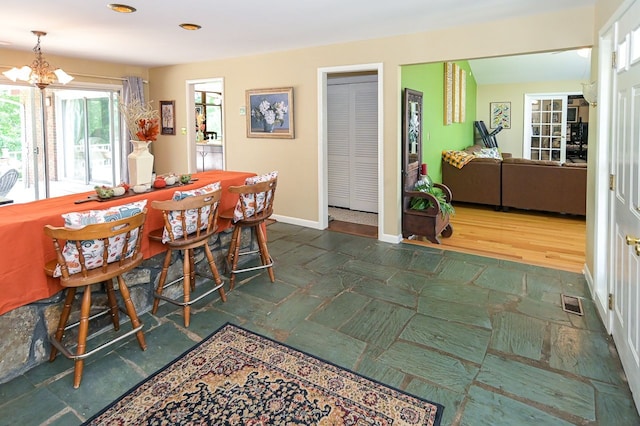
(625, 160)
(338, 134)
(352, 128)
(364, 148)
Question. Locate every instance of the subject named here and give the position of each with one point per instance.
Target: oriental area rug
(236, 377)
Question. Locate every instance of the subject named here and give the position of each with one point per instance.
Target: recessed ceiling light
(190, 27)
(121, 8)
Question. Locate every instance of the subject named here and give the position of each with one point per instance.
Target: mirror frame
(411, 132)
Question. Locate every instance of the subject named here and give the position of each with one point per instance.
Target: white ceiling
(552, 66)
(151, 36)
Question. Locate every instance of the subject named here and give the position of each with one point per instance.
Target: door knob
(631, 240)
(634, 241)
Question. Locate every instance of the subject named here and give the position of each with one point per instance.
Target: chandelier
(39, 73)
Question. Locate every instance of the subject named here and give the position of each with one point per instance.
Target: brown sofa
(544, 185)
(476, 182)
(519, 183)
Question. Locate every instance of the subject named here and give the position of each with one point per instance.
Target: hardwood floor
(543, 239)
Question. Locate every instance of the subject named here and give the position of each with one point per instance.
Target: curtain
(133, 89)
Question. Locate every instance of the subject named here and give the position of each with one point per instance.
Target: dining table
(26, 249)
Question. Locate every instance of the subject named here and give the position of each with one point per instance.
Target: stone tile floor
(486, 338)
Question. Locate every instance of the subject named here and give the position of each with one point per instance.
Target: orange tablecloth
(25, 248)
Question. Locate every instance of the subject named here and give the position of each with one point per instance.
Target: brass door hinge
(610, 301)
(613, 60)
(612, 183)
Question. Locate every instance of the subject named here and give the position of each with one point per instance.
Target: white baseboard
(387, 238)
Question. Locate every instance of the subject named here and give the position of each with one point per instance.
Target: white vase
(140, 163)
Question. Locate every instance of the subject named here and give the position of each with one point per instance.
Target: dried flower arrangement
(142, 120)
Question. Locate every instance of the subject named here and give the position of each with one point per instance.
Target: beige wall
(297, 159)
(511, 140)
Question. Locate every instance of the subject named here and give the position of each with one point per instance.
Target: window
(209, 106)
(79, 148)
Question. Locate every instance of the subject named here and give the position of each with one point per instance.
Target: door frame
(600, 281)
(192, 160)
(323, 180)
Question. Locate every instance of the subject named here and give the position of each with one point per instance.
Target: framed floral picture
(270, 113)
(168, 117)
(500, 114)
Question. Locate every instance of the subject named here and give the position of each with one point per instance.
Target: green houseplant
(419, 203)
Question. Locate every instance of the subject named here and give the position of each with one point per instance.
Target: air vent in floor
(571, 304)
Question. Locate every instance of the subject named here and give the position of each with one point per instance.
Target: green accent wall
(436, 137)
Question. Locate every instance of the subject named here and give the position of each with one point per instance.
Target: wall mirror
(412, 132)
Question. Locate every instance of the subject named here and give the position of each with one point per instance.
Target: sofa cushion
(578, 165)
(489, 153)
(457, 158)
(532, 162)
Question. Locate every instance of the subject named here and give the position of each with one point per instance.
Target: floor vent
(571, 304)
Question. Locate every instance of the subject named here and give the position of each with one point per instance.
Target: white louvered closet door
(353, 146)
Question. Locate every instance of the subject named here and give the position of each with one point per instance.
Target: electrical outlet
(243, 110)
(183, 130)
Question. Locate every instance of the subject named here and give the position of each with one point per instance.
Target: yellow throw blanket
(457, 158)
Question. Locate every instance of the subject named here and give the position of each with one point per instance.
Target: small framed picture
(168, 117)
(572, 114)
(270, 113)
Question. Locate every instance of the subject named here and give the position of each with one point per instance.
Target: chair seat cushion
(253, 204)
(191, 219)
(93, 250)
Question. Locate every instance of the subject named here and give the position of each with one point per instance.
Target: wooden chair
(94, 235)
(198, 215)
(253, 216)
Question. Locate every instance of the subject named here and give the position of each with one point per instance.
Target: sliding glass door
(61, 141)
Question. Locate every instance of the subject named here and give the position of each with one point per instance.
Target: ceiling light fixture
(190, 27)
(39, 73)
(121, 8)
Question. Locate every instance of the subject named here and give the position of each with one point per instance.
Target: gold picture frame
(448, 93)
(270, 113)
(462, 81)
(456, 93)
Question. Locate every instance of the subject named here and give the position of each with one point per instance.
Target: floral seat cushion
(93, 250)
(191, 219)
(253, 204)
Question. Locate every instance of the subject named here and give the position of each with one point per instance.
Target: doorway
(371, 164)
(205, 109)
